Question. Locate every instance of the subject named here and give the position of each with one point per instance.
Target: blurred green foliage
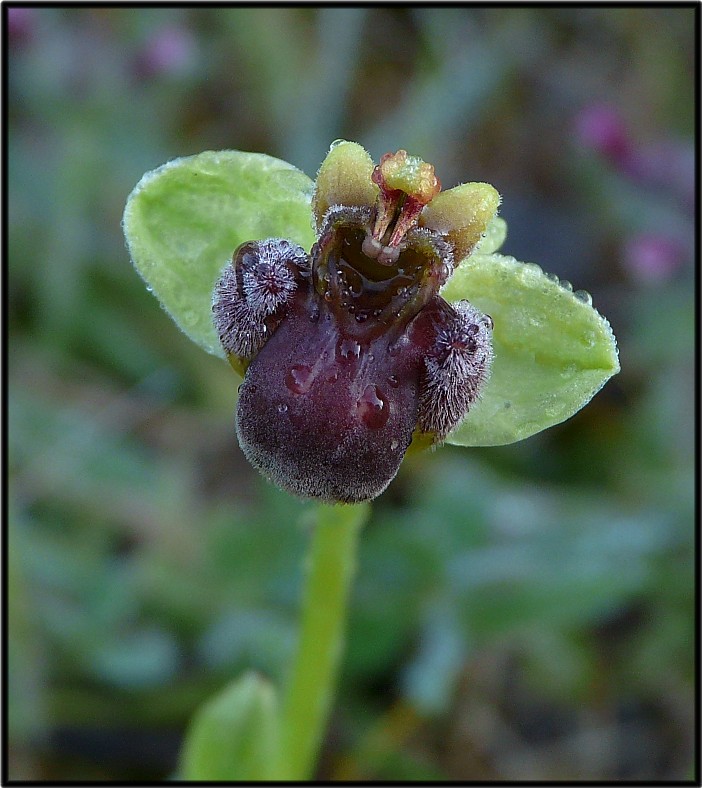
(523, 611)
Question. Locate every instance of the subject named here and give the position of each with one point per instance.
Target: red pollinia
(349, 353)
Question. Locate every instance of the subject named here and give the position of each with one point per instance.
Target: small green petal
(184, 220)
(553, 351)
(344, 179)
(494, 237)
(462, 215)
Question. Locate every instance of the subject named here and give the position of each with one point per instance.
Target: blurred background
(522, 612)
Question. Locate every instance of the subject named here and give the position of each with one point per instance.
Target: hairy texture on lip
(456, 366)
(252, 289)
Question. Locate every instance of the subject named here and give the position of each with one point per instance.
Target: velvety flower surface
(392, 323)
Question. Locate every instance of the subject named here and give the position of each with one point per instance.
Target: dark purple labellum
(347, 356)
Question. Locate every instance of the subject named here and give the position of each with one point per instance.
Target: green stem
(332, 561)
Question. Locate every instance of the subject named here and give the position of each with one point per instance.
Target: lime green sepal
(184, 220)
(235, 735)
(553, 350)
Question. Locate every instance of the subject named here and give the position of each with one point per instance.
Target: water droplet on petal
(282, 408)
(393, 381)
(349, 349)
(299, 379)
(531, 268)
(373, 408)
(394, 445)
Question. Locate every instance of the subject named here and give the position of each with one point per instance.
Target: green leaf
(553, 351)
(184, 220)
(235, 735)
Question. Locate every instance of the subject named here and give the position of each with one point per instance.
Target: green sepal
(553, 350)
(184, 220)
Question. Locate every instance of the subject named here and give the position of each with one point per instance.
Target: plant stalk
(310, 692)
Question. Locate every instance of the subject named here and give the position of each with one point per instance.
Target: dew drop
(349, 349)
(584, 296)
(373, 408)
(356, 288)
(531, 268)
(327, 295)
(566, 285)
(361, 317)
(282, 408)
(394, 445)
(553, 278)
(393, 381)
(314, 314)
(299, 378)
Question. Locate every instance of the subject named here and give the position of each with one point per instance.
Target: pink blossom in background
(651, 258)
(20, 22)
(170, 50)
(601, 128)
(668, 165)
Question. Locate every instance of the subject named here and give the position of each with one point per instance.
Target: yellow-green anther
(462, 215)
(344, 179)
